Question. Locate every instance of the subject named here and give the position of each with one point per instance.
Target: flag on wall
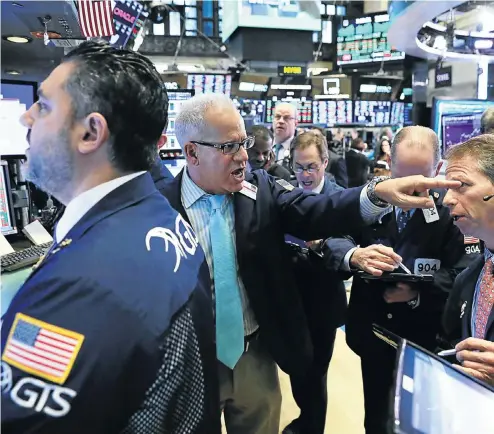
(96, 18)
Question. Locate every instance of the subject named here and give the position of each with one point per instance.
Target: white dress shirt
(81, 204)
(282, 151)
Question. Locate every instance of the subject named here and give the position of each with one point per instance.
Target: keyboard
(23, 258)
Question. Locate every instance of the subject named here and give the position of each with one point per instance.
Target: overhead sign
(331, 86)
(365, 40)
(444, 77)
(292, 71)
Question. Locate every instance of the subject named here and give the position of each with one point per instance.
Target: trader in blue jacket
(113, 331)
(321, 289)
(241, 219)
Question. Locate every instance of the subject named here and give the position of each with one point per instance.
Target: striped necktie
(229, 314)
(403, 217)
(485, 299)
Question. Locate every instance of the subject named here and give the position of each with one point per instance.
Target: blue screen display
(23, 92)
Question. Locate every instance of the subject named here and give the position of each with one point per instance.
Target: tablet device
(397, 277)
(433, 397)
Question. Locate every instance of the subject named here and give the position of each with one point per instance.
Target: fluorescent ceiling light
(17, 39)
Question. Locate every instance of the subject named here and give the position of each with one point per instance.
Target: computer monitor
(432, 397)
(372, 112)
(7, 218)
(459, 128)
(175, 100)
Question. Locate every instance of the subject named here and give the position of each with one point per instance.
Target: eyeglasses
(229, 147)
(313, 168)
(285, 118)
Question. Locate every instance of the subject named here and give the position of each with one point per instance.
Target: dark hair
(261, 132)
(125, 88)
(357, 143)
(312, 138)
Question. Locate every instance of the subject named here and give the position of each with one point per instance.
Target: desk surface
(9, 284)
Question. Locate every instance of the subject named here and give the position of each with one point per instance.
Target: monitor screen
(458, 129)
(365, 40)
(432, 397)
(304, 109)
(251, 108)
(407, 114)
(175, 100)
(25, 92)
(210, 83)
(441, 107)
(13, 140)
(7, 219)
(397, 113)
(372, 112)
(332, 112)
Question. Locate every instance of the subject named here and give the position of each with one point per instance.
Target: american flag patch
(470, 240)
(42, 349)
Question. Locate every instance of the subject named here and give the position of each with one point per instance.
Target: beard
(51, 166)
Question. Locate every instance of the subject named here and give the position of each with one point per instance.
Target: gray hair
(487, 121)
(191, 123)
(419, 136)
(287, 104)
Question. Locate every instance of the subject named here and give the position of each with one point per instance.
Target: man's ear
(162, 141)
(191, 154)
(94, 133)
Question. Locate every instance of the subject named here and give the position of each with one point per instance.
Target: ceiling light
(17, 39)
(17, 5)
(12, 72)
(483, 44)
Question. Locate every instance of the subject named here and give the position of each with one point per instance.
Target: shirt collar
(191, 191)
(317, 189)
(81, 204)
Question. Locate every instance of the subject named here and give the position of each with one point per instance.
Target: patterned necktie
(229, 314)
(485, 300)
(276, 149)
(403, 217)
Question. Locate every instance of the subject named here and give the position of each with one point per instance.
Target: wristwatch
(371, 191)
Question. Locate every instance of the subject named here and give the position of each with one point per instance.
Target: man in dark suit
(470, 308)
(112, 332)
(357, 164)
(241, 219)
(410, 310)
(322, 291)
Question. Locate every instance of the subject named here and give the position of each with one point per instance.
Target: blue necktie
(229, 314)
(403, 217)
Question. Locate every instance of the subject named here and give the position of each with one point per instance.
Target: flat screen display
(210, 83)
(407, 114)
(332, 112)
(372, 112)
(432, 397)
(441, 107)
(23, 91)
(7, 220)
(175, 101)
(304, 109)
(397, 113)
(365, 40)
(253, 108)
(458, 129)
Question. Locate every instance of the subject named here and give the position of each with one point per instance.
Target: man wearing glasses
(284, 128)
(241, 219)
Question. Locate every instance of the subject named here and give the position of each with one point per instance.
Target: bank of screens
(304, 109)
(175, 100)
(7, 220)
(210, 83)
(432, 397)
(372, 112)
(458, 129)
(397, 113)
(332, 112)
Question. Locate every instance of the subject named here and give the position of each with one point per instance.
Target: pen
(447, 353)
(404, 268)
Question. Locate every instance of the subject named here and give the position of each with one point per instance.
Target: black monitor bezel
(4, 166)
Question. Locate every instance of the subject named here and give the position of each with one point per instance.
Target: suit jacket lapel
(468, 291)
(244, 218)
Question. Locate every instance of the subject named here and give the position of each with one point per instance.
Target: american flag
(96, 18)
(42, 349)
(470, 240)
